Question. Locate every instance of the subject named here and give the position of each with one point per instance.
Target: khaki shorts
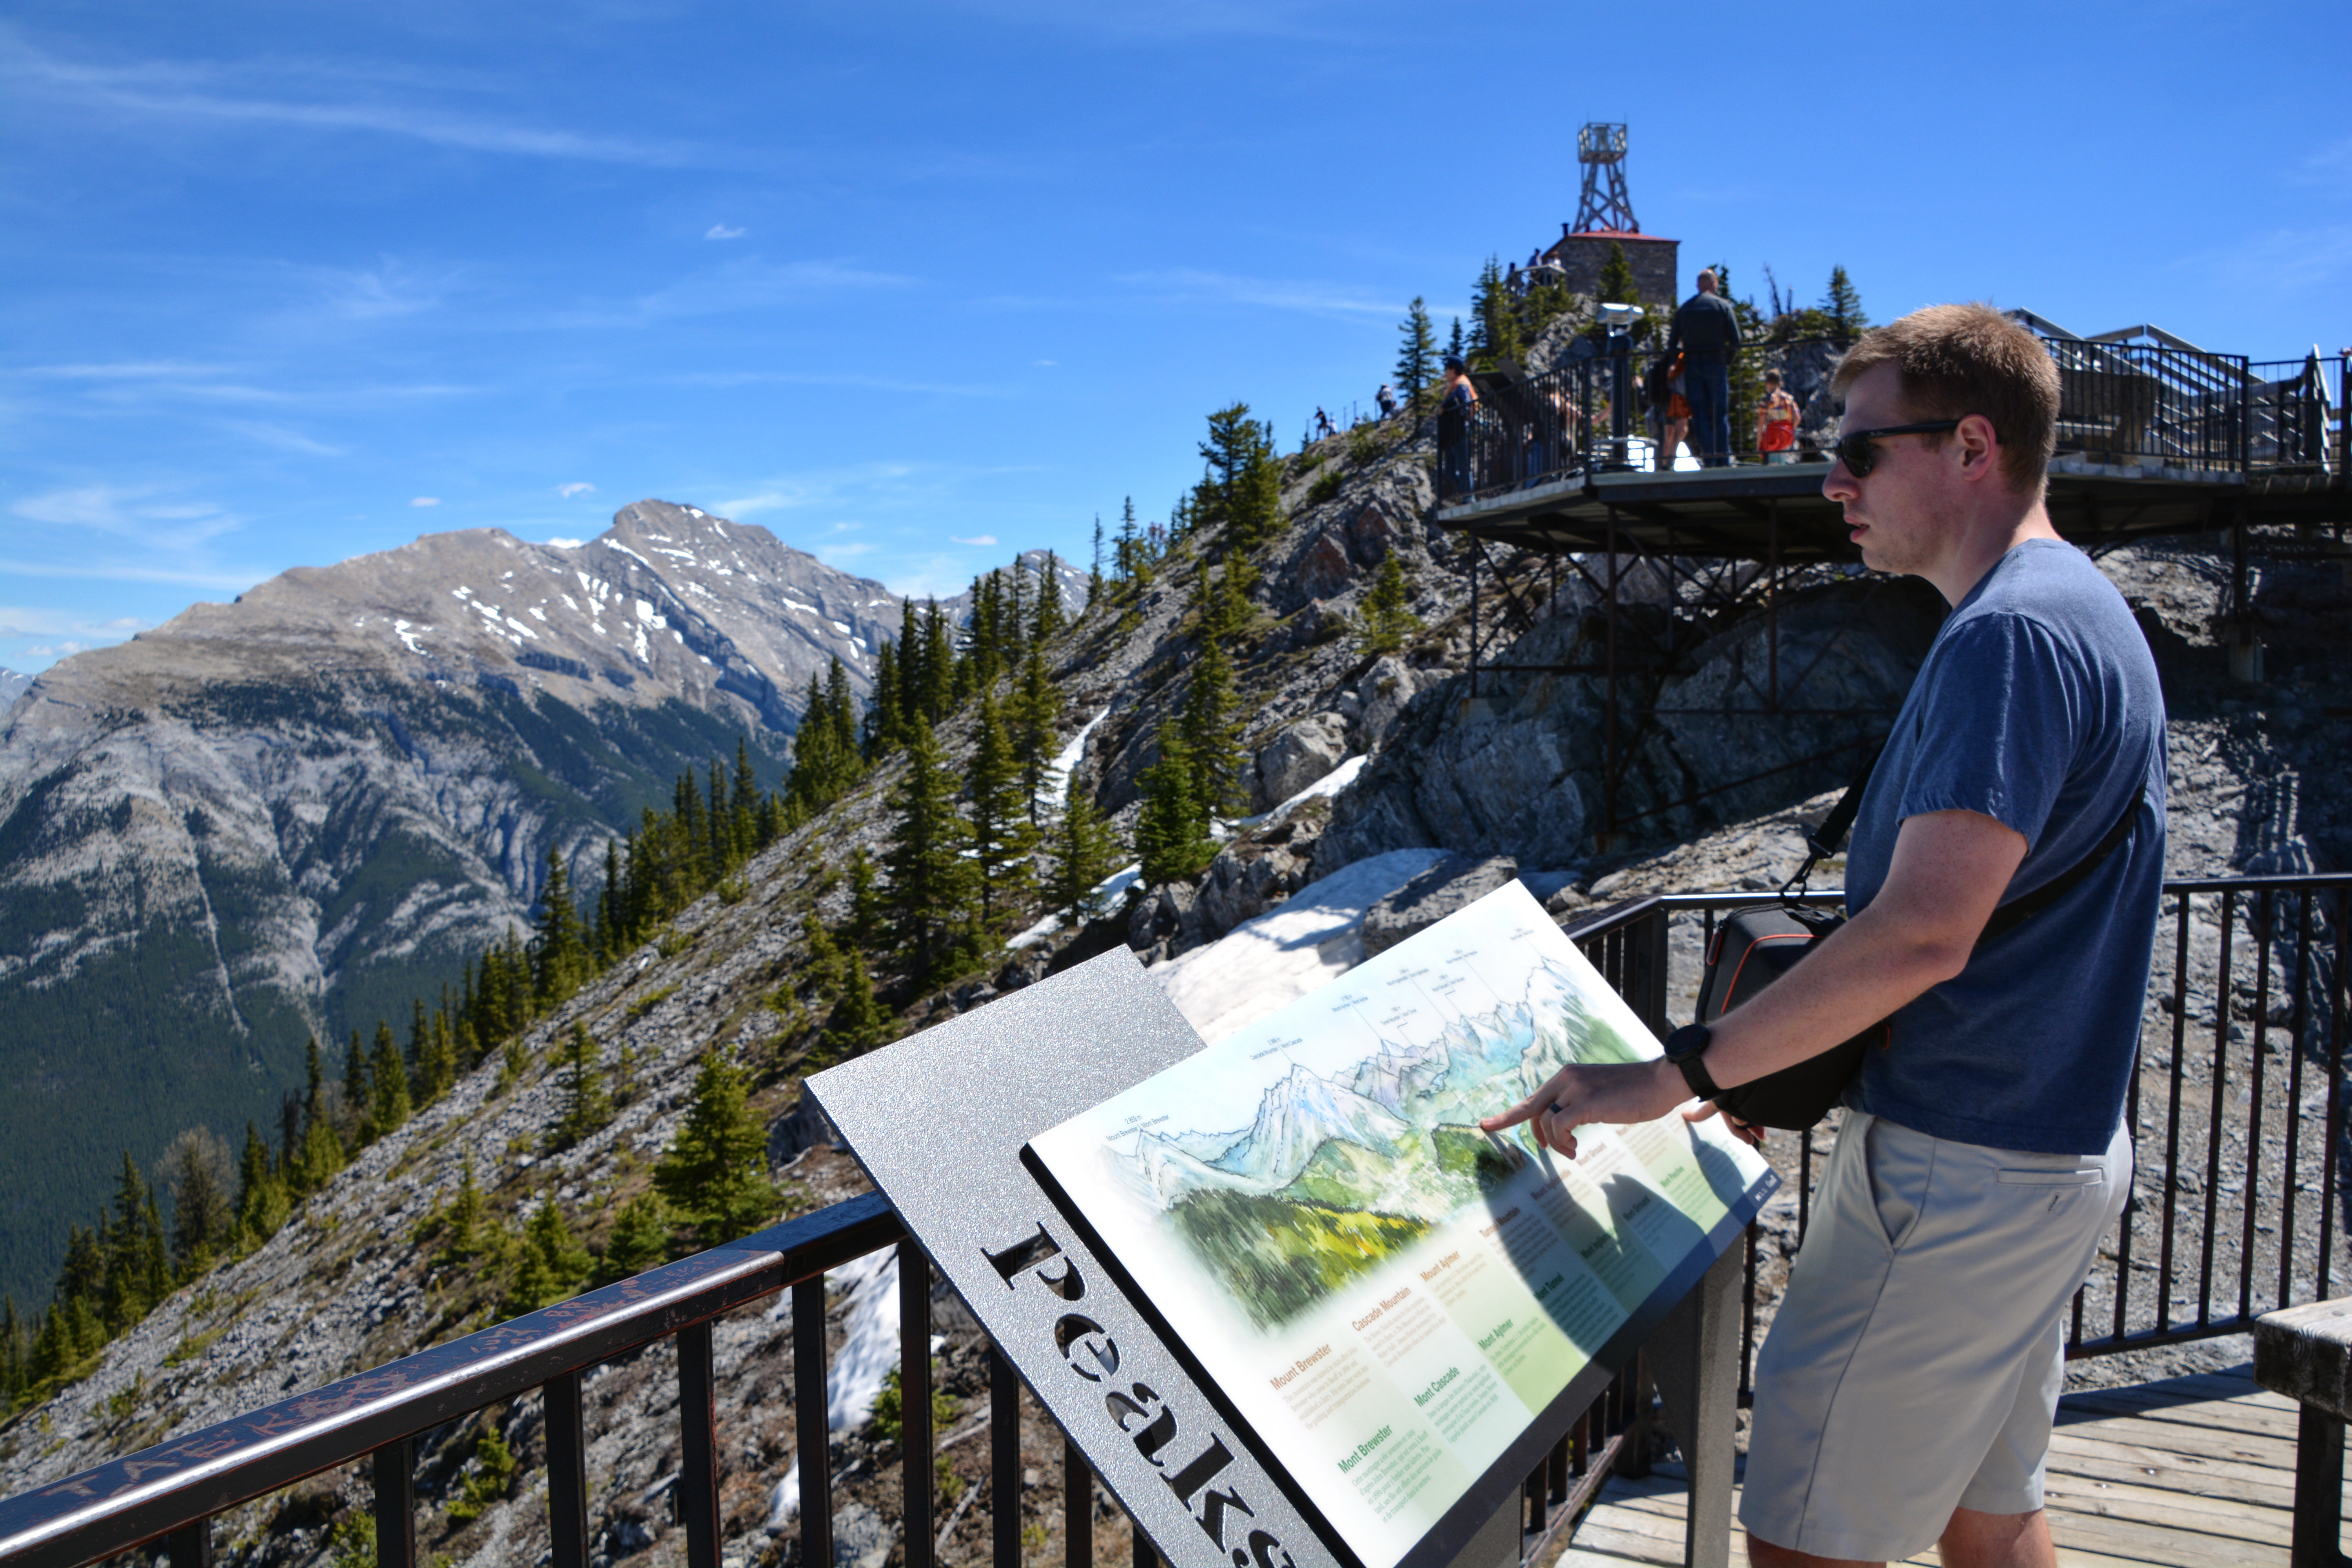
(1915, 1363)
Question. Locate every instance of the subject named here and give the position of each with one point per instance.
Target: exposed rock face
(13, 685)
(291, 813)
(1302, 753)
(1516, 771)
(1452, 885)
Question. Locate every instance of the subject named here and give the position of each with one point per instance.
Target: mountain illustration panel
(1342, 1170)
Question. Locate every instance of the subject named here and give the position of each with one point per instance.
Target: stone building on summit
(1604, 216)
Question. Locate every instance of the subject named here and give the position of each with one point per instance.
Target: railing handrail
(127, 1501)
(2201, 408)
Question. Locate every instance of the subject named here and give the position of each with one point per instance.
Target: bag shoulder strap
(2016, 912)
(1823, 841)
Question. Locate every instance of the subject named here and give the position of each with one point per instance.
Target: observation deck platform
(1768, 512)
(2190, 1472)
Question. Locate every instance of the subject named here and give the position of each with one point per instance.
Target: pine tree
(553, 1265)
(858, 1023)
(1036, 704)
(1234, 442)
(419, 1045)
(1130, 554)
(1046, 621)
(440, 1066)
(137, 1267)
(388, 1101)
(1495, 320)
(355, 1089)
(1002, 837)
(885, 719)
(868, 921)
(260, 1195)
(930, 893)
(1454, 341)
(582, 1106)
(935, 698)
(197, 1171)
(466, 1218)
(1416, 366)
(1211, 731)
(322, 1156)
(1257, 499)
(743, 799)
(1095, 577)
(1616, 285)
(1388, 618)
(559, 951)
(1013, 631)
(1843, 304)
(1172, 832)
(640, 1238)
(716, 1174)
(1083, 853)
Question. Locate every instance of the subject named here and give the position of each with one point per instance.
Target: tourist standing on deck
(1776, 422)
(1706, 331)
(1906, 1393)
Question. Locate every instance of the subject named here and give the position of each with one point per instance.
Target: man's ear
(1979, 448)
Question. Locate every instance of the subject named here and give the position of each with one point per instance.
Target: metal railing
(2297, 415)
(2223, 1078)
(2237, 1104)
(2133, 404)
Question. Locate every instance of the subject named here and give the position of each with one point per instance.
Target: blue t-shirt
(2038, 706)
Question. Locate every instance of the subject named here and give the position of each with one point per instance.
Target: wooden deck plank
(2192, 1472)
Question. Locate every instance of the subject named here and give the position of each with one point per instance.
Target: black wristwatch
(1684, 1048)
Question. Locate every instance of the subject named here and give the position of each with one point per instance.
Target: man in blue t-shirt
(1905, 1393)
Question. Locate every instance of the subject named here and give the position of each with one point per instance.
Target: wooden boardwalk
(2187, 1472)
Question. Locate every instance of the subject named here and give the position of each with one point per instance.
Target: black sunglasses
(1853, 448)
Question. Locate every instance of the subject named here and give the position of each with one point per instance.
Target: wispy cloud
(141, 512)
(849, 379)
(285, 440)
(391, 288)
(720, 231)
(976, 539)
(2278, 263)
(266, 94)
(1180, 283)
(131, 370)
(576, 488)
(25, 621)
(753, 285)
(128, 571)
(424, 501)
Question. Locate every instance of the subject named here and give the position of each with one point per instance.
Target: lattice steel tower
(1604, 205)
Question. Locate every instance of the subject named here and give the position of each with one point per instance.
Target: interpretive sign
(1386, 1295)
(1295, 1309)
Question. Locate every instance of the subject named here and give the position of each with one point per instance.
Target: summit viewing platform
(2155, 436)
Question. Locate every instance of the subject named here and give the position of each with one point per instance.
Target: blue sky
(916, 285)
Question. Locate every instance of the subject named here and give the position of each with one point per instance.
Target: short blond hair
(1953, 361)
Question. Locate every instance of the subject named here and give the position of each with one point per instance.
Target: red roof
(1619, 233)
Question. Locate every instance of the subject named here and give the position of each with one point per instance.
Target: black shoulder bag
(1757, 944)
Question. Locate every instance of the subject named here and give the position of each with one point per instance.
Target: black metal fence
(2237, 1103)
(2133, 404)
(2238, 1106)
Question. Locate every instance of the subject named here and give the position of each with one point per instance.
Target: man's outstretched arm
(1949, 870)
